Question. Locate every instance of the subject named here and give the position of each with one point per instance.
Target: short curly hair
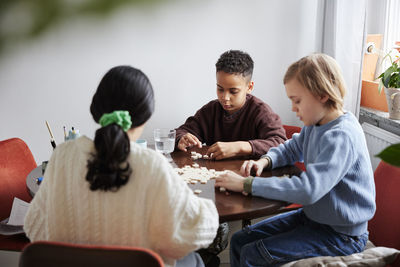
(235, 62)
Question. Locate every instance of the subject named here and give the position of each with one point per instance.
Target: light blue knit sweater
(338, 187)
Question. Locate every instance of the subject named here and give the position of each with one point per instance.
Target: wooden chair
(16, 162)
(46, 254)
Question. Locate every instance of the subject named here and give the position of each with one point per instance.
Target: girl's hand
(188, 140)
(231, 181)
(249, 165)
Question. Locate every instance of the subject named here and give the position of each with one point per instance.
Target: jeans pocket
(362, 240)
(266, 256)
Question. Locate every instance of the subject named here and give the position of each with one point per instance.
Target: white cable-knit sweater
(155, 209)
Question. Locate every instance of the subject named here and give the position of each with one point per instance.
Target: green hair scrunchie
(120, 117)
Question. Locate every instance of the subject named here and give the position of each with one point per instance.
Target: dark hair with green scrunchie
(122, 89)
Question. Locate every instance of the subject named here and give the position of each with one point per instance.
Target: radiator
(377, 139)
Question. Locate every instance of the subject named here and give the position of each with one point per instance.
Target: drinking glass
(165, 141)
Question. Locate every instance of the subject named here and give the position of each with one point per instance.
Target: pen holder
(44, 165)
(72, 135)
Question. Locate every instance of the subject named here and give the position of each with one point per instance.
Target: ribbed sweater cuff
(248, 184)
(269, 164)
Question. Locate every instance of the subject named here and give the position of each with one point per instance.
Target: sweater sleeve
(35, 223)
(321, 175)
(198, 125)
(289, 152)
(183, 221)
(269, 129)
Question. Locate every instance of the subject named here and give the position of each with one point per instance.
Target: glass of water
(165, 141)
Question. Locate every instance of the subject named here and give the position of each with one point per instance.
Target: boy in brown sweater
(237, 123)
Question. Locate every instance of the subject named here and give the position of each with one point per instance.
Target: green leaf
(386, 76)
(380, 86)
(391, 155)
(394, 80)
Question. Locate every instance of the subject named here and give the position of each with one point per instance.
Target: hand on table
(249, 165)
(231, 181)
(223, 150)
(188, 140)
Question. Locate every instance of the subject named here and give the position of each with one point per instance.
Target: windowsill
(379, 119)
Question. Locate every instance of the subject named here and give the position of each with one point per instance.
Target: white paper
(6, 229)
(18, 212)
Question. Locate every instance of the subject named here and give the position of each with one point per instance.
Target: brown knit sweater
(254, 122)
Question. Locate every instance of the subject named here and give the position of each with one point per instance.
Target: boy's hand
(231, 181)
(188, 140)
(249, 165)
(223, 150)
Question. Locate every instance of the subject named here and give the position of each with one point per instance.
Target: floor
(224, 255)
(9, 258)
(233, 227)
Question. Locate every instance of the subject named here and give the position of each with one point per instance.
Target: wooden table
(233, 206)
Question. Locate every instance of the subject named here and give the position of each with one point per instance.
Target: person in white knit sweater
(111, 191)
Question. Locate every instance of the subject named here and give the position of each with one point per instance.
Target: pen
(52, 141)
(39, 180)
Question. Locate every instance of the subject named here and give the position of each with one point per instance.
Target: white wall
(175, 43)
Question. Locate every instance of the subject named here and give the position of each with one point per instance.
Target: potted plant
(390, 80)
(391, 155)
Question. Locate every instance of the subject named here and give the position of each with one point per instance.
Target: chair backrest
(46, 253)
(16, 162)
(384, 227)
(290, 130)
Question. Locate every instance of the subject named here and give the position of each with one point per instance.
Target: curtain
(342, 35)
(392, 24)
(391, 32)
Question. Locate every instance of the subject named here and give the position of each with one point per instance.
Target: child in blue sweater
(337, 190)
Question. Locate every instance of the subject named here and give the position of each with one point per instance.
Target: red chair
(384, 230)
(384, 227)
(46, 254)
(290, 130)
(16, 162)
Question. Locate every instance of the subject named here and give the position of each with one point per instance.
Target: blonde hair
(320, 74)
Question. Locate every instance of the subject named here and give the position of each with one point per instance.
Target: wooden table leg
(245, 223)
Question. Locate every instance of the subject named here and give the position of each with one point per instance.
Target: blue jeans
(288, 237)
